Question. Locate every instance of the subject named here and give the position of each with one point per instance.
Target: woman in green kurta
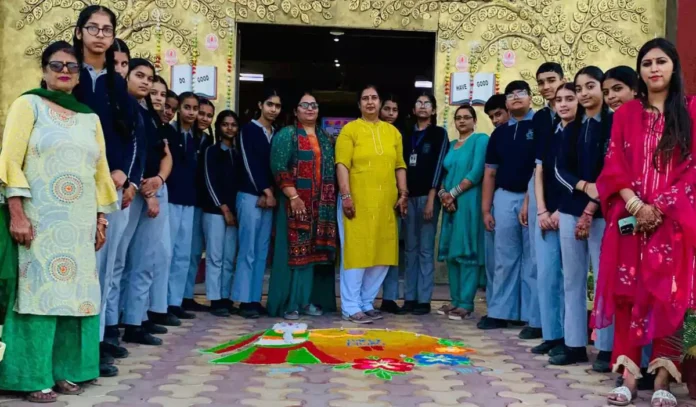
(461, 235)
(302, 158)
(55, 177)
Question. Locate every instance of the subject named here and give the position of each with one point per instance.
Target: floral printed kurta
(372, 152)
(57, 163)
(654, 273)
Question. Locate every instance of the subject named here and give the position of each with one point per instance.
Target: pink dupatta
(655, 273)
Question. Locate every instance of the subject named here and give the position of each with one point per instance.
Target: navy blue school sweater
(590, 148)
(546, 139)
(121, 149)
(511, 152)
(255, 150)
(220, 177)
(181, 183)
(203, 143)
(156, 135)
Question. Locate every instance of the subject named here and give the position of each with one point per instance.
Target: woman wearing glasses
(302, 162)
(56, 182)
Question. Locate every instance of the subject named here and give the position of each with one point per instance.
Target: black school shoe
(219, 309)
(107, 370)
(603, 362)
(570, 356)
(164, 319)
(118, 352)
(189, 304)
(260, 308)
(547, 346)
(422, 309)
(136, 334)
(180, 313)
(492, 323)
(152, 328)
(530, 333)
(409, 306)
(248, 311)
(229, 304)
(391, 307)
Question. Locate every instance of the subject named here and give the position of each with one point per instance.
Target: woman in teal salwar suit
(462, 233)
(303, 272)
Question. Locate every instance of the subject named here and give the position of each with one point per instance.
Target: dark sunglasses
(309, 105)
(57, 66)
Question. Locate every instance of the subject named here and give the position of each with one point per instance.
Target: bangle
(345, 196)
(292, 198)
(588, 213)
(541, 213)
(441, 192)
(634, 205)
(160, 177)
(403, 193)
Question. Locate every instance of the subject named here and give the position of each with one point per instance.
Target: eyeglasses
(57, 66)
(309, 105)
(93, 30)
(420, 103)
(463, 117)
(518, 94)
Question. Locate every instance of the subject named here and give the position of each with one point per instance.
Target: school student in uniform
(104, 91)
(182, 189)
(425, 148)
(146, 253)
(255, 202)
(581, 222)
(549, 193)
(549, 77)
(509, 166)
(206, 113)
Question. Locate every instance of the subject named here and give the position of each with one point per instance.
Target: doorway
(334, 63)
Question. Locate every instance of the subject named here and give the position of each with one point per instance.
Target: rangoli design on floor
(382, 353)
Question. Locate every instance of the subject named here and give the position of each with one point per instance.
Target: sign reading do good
(204, 83)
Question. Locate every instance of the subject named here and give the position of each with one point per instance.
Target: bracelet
(584, 185)
(160, 177)
(441, 192)
(588, 213)
(541, 213)
(344, 197)
(403, 193)
(292, 198)
(634, 205)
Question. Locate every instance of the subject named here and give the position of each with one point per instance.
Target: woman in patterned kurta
(370, 167)
(302, 162)
(56, 180)
(647, 280)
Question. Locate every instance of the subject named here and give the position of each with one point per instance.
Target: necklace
(379, 151)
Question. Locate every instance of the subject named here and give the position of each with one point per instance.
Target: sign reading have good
(484, 88)
(204, 82)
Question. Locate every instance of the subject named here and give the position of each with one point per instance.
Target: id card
(413, 159)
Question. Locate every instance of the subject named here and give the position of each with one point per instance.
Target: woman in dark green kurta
(302, 162)
(461, 235)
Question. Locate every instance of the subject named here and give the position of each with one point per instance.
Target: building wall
(686, 15)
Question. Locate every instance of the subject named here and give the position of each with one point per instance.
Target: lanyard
(415, 143)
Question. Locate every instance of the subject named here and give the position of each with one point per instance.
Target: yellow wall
(573, 32)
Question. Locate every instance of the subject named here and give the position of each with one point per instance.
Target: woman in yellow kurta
(54, 174)
(372, 183)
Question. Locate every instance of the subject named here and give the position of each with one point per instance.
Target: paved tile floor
(176, 375)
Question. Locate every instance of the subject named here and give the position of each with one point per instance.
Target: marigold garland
(158, 44)
(194, 55)
(230, 51)
(448, 76)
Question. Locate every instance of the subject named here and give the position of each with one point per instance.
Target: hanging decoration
(158, 43)
(448, 77)
(230, 52)
(194, 53)
(498, 68)
(472, 72)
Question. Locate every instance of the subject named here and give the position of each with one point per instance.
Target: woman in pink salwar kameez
(647, 280)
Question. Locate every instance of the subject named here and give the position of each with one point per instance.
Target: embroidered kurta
(307, 163)
(372, 152)
(654, 273)
(461, 233)
(58, 164)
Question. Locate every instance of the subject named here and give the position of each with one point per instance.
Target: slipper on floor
(33, 399)
(64, 388)
(623, 391)
(663, 398)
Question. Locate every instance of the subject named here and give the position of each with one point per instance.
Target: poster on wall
(205, 80)
(483, 88)
(333, 125)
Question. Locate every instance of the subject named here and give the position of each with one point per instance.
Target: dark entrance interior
(333, 63)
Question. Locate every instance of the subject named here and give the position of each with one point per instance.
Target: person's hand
(150, 186)
(230, 219)
(488, 221)
(648, 219)
(446, 199)
(153, 207)
(119, 177)
(555, 220)
(128, 196)
(402, 206)
(545, 222)
(591, 191)
(100, 237)
(261, 202)
(523, 215)
(21, 230)
(297, 206)
(451, 207)
(582, 228)
(429, 210)
(348, 208)
(270, 201)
